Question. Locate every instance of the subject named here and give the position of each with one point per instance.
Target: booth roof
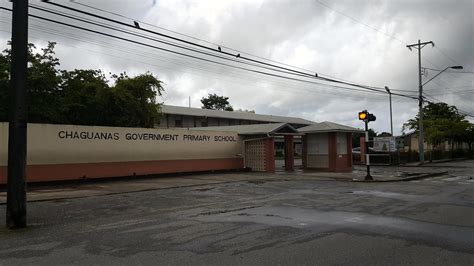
(328, 127)
(255, 129)
(179, 110)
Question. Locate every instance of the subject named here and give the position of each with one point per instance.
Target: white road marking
(452, 178)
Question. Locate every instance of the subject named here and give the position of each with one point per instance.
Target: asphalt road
(303, 222)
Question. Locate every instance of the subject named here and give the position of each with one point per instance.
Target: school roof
(179, 110)
(327, 127)
(256, 129)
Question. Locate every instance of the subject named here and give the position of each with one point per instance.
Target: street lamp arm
(453, 67)
(435, 76)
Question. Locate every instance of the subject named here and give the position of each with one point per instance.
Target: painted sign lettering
(88, 135)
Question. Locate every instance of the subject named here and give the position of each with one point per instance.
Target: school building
(186, 140)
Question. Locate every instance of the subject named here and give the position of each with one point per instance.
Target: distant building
(326, 145)
(186, 117)
(410, 143)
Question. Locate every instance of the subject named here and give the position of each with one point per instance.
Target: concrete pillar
(289, 153)
(349, 150)
(332, 151)
(304, 153)
(362, 149)
(270, 155)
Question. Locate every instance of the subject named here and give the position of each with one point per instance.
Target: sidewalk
(386, 174)
(92, 188)
(428, 163)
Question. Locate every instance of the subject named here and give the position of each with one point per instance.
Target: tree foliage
(470, 136)
(81, 97)
(215, 102)
(441, 122)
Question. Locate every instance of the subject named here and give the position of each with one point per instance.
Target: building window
(178, 123)
(318, 144)
(204, 124)
(341, 143)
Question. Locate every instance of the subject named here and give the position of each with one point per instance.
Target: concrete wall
(61, 152)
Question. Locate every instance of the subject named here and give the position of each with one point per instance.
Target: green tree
(215, 102)
(80, 90)
(4, 84)
(441, 122)
(81, 97)
(469, 136)
(132, 101)
(384, 134)
(43, 95)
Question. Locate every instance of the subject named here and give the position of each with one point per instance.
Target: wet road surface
(301, 222)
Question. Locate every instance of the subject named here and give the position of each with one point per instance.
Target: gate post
(304, 143)
(289, 153)
(269, 155)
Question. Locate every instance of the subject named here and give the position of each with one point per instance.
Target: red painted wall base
(60, 172)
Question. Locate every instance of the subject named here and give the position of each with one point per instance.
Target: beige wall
(62, 144)
(445, 146)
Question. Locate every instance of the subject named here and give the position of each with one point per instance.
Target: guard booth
(259, 144)
(327, 146)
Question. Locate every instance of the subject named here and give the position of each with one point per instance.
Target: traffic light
(372, 117)
(364, 115)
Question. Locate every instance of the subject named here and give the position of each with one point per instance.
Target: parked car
(357, 150)
(356, 153)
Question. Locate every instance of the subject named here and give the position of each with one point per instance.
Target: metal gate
(255, 155)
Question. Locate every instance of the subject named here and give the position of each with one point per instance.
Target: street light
(421, 135)
(390, 99)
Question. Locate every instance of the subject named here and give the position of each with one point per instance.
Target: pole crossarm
(420, 45)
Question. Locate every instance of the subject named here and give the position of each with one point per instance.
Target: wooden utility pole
(421, 141)
(16, 182)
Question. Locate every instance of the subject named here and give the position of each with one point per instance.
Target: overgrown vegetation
(443, 123)
(82, 97)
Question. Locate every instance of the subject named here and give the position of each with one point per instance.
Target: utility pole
(16, 182)
(421, 150)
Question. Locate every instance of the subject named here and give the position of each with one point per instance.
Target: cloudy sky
(353, 40)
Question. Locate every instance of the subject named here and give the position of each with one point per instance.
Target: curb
(416, 177)
(427, 163)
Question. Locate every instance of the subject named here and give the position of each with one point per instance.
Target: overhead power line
(157, 40)
(198, 39)
(463, 112)
(312, 75)
(192, 56)
(439, 50)
(216, 49)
